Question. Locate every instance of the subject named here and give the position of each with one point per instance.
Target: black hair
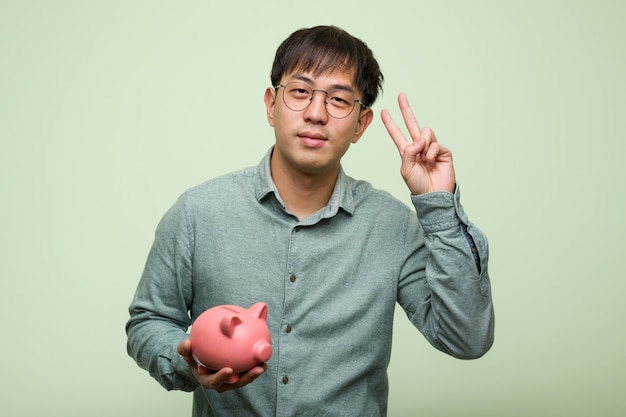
(323, 49)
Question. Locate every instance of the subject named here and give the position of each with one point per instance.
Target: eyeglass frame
(313, 90)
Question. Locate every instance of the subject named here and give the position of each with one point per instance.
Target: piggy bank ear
(228, 324)
(259, 310)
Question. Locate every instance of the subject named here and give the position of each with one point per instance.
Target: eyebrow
(344, 87)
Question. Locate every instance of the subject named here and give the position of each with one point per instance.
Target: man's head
(323, 84)
(324, 49)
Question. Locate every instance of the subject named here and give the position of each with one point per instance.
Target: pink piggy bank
(231, 336)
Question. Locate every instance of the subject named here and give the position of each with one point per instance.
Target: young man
(328, 254)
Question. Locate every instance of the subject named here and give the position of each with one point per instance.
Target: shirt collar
(340, 198)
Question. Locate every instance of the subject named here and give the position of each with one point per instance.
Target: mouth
(312, 139)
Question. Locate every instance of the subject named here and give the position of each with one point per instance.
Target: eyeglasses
(339, 103)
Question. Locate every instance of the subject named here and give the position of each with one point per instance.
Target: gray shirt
(330, 281)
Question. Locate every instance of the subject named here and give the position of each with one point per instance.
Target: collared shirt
(331, 282)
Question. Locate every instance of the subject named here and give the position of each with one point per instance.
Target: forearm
(152, 344)
(159, 312)
(458, 318)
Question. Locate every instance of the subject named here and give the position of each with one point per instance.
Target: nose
(316, 111)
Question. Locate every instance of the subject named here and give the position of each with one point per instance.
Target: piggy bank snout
(262, 351)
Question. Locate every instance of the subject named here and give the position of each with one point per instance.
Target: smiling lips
(312, 139)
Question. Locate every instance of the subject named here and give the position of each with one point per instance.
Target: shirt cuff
(177, 373)
(439, 210)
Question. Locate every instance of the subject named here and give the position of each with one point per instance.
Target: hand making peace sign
(426, 164)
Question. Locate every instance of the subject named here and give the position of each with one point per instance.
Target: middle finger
(409, 117)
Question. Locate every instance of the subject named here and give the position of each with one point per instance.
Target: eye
(299, 91)
(340, 99)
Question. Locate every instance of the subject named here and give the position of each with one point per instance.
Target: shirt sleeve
(159, 312)
(444, 286)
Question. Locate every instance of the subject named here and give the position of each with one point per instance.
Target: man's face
(310, 141)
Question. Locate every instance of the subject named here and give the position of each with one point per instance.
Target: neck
(302, 193)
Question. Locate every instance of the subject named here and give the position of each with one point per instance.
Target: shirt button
(298, 228)
(474, 250)
(292, 278)
(288, 329)
(285, 380)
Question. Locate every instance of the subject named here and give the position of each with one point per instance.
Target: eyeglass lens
(339, 103)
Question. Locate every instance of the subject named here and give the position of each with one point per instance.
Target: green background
(110, 109)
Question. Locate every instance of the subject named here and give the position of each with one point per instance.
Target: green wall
(110, 109)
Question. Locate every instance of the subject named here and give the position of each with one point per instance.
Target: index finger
(394, 131)
(252, 374)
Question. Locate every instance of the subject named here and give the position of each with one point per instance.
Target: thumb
(184, 350)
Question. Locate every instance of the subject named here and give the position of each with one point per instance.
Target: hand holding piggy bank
(231, 336)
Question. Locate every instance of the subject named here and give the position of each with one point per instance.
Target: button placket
(291, 294)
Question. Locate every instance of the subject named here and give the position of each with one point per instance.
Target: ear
(365, 118)
(270, 101)
(228, 324)
(259, 310)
